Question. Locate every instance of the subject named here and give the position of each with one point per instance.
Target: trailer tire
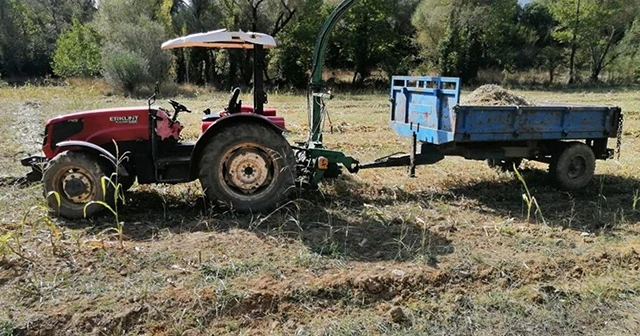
(504, 165)
(572, 168)
(75, 177)
(249, 167)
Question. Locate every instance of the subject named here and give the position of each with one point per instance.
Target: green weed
(118, 195)
(6, 328)
(529, 200)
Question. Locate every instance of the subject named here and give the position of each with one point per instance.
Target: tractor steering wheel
(233, 106)
(178, 107)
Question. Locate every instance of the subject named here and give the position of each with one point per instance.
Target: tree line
(582, 40)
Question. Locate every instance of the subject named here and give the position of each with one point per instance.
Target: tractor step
(173, 160)
(173, 169)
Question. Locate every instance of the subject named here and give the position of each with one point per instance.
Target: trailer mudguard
(217, 126)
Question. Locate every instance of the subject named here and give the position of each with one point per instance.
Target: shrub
(77, 52)
(132, 37)
(124, 68)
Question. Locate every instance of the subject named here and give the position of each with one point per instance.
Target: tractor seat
(211, 117)
(268, 112)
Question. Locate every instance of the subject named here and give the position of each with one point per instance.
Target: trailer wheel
(75, 177)
(249, 167)
(573, 167)
(504, 165)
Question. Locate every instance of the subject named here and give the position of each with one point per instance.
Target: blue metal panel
(428, 107)
(506, 123)
(424, 105)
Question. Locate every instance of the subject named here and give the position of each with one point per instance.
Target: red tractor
(241, 157)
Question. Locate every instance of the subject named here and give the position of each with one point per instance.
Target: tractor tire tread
(233, 135)
(66, 208)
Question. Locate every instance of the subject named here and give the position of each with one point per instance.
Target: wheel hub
(77, 187)
(577, 167)
(247, 171)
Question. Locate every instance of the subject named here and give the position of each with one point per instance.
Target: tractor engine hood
(99, 127)
(109, 112)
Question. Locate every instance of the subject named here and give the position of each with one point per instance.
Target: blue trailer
(568, 138)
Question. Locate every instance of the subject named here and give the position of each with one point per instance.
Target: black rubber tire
(126, 182)
(504, 165)
(248, 138)
(572, 168)
(90, 167)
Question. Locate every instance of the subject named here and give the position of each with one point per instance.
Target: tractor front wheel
(72, 180)
(249, 167)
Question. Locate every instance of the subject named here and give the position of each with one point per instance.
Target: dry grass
(452, 247)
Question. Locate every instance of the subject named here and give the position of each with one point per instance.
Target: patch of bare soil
(494, 95)
(297, 292)
(27, 128)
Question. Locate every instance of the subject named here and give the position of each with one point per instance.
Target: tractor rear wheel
(72, 180)
(573, 167)
(249, 167)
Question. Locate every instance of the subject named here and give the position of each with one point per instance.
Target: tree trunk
(599, 62)
(574, 47)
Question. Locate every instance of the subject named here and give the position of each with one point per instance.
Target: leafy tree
(125, 68)
(227, 67)
(467, 35)
(539, 48)
(292, 58)
(77, 52)
(29, 30)
(628, 63)
(460, 53)
(431, 21)
(196, 65)
(25, 48)
(268, 16)
(132, 32)
(373, 34)
(594, 27)
(401, 56)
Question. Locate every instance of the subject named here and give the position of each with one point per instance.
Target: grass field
(450, 252)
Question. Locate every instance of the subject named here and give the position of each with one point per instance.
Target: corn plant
(56, 234)
(636, 198)
(601, 199)
(528, 198)
(6, 247)
(118, 195)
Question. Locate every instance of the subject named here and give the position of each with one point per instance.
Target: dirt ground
(454, 251)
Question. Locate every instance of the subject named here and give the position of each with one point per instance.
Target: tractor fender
(215, 128)
(122, 171)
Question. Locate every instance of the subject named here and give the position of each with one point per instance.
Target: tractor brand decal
(124, 120)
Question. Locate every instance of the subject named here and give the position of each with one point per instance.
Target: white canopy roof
(221, 39)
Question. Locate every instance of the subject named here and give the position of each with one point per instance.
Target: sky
(522, 2)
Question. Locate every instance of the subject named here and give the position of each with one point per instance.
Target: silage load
(494, 95)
